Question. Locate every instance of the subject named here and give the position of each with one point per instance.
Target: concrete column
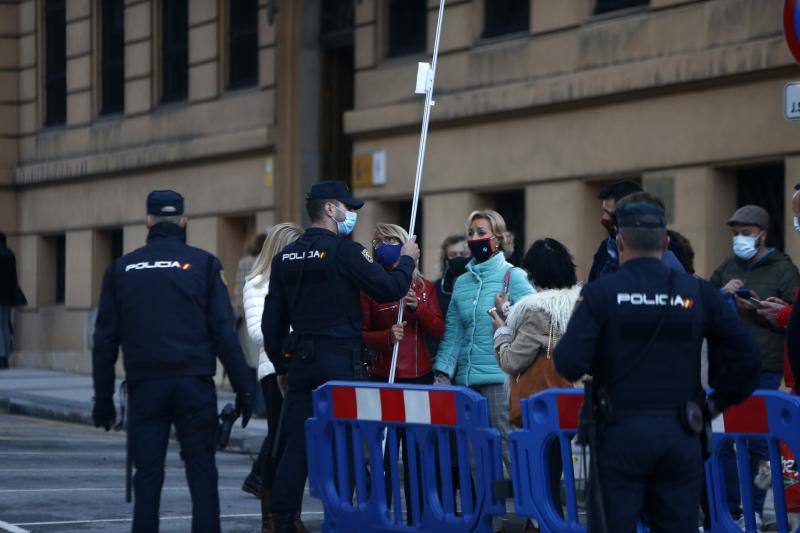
(28, 268)
(133, 236)
(265, 220)
(204, 233)
(139, 55)
(551, 15)
(266, 54)
(569, 212)
(79, 62)
(368, 218)
(204, 78)
(792, 169)
(704, 198)
(443, 215)
(80, 271)
(9, 97)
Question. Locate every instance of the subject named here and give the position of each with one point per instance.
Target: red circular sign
(791, 26)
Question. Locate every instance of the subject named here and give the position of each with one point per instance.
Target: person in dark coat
(10, 296)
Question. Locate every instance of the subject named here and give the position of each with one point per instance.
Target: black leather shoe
(252, 485)
(284, 523)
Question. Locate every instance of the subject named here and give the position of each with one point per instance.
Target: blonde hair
(393, 230)
(277, 239)
(499, 229)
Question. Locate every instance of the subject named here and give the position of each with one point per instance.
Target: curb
(239, 442)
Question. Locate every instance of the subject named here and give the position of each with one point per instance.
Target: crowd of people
(313, 306)
(492, 326)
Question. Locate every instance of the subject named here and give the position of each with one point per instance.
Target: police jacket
(167, 305)
(315, 285)
(617, 315)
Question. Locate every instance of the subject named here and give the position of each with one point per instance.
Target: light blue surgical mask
(745, 247)
(796, 225)
(347, 225)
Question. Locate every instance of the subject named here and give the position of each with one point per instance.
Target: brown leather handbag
(541, 375)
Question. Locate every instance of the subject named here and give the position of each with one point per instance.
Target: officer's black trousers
(649, 467)
(190, 403)
(331, 360)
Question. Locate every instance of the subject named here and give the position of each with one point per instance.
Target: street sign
(369, 170)
(791, 27)
(791, 101)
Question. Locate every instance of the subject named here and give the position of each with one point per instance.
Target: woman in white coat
(255, 291)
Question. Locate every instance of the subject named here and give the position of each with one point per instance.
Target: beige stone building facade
(242, 104)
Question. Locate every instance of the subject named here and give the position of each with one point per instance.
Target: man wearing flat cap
(166, 304)
(766, 273)
(638, 332)
(315, 287)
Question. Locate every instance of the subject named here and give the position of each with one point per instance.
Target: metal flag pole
(425, 77)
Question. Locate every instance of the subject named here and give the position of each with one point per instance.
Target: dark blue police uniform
(314, 287)
(649, 464)
(167, 305)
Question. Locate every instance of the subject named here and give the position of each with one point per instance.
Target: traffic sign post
(791, 27)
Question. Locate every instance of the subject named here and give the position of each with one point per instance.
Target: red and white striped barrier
(395, 405)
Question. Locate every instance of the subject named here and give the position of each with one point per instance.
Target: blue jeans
(757, 450)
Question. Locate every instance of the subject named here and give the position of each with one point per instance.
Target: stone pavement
(68, 398)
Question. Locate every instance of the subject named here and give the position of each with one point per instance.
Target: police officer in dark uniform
(167, 305)
(314, 287)
(639, 332)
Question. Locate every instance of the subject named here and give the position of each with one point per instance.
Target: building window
(112, 56)
(604, 6)
(511, 205)
(174, 50)
(763, 185)
(408, 23)
(506, 16)
(60, 242)
(55, 46)
(243, 43)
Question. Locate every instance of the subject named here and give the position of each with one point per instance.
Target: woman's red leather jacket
(413, 359)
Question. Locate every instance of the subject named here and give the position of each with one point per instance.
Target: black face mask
(457, 265)
(482, 249)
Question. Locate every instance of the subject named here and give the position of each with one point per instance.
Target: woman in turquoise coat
(466, 354)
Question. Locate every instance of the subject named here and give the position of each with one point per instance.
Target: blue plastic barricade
(451, 458)
(769, 415)
(548, 417)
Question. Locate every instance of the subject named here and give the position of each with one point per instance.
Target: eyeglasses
(384, 240)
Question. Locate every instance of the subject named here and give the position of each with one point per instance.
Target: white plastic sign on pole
(791, 101)
(425, 77)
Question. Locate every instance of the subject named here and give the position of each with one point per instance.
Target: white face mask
(745, 247)
(796, 225)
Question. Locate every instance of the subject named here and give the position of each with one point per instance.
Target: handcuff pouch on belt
(696, 422)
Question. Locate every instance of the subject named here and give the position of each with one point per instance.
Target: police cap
(164, 203)
(641, 215)
(334, 190)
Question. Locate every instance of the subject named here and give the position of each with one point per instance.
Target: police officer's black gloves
(103, 413)
(244, 404)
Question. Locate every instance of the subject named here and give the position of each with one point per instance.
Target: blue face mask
(388, 254)
(347, 225)
(796, 225)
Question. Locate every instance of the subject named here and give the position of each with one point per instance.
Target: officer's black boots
(267, 523)
(283, 523)
(297, 522)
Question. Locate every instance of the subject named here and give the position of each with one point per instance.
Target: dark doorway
(511, 205)
(338, 88)
(763, 185)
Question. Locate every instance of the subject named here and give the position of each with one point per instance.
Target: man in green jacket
(765, 272)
